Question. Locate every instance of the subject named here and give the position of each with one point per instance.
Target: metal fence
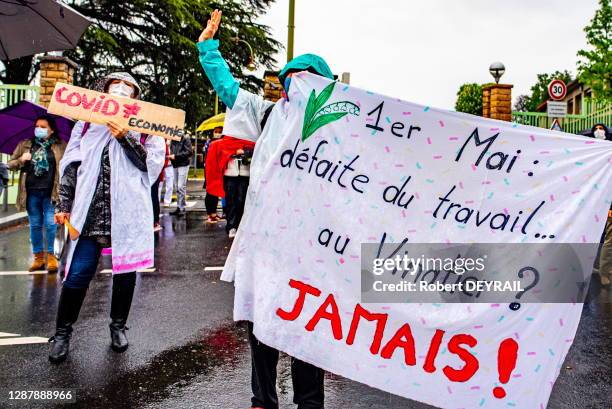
(593, 112)
(11, 94)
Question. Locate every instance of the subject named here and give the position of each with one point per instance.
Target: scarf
(40, 161)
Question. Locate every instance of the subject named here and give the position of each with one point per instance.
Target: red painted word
(102, 103)
(402, 339)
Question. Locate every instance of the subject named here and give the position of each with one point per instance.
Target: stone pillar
(272, 86)
(54, 69)
(486, 102)
(497, 101)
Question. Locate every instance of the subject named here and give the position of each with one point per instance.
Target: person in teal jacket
(245, 119)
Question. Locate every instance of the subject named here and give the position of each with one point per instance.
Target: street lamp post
(251, 65)
(290, 32)
(497, 69)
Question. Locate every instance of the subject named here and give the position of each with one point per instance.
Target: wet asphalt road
(185, 350)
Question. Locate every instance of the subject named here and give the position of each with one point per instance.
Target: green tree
(595, 66)
(469, 99)
(155, 42)
(18, 71)
(521, 104)
(539, 91)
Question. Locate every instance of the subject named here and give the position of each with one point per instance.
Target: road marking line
(16, 273)
(8, 334)
(23, 340)
(213, 268)
(144, 270)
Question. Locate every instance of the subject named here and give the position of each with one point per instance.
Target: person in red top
(227, 175)
(211, 201)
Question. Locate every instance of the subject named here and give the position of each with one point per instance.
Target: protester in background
(155, 201)
(38, 159)
(247, 120)
(601, 131)
(156, 192)
(167, 180)
(4, 178)
(211, 201)
(605, 255)
(113, 169)
(228, 163)
(180, 156)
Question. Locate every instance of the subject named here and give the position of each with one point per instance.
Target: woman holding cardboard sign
(105, 198)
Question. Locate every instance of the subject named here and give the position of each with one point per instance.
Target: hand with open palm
(212, 25)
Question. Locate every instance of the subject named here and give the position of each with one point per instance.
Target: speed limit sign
(557, 90)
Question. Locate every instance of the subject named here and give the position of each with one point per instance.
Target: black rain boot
(123, 290)
(70, 302)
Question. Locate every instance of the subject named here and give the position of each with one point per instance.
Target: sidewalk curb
(12, 220)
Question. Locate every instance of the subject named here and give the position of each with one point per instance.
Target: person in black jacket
(180, 157)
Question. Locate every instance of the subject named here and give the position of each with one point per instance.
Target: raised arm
(214, 65)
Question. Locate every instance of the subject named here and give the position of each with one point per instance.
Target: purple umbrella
(17, 123)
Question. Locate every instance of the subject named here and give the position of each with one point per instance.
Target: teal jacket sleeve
(218, 72)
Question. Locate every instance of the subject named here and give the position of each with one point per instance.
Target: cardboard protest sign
(96, 107)
(338, 166)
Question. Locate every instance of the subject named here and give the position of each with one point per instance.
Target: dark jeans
(40, 214)
(307, 379)
(155, 199)
(84, 263)
(211, 203)
(235, 195)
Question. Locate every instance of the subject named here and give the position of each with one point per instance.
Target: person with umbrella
(38, 158)
(105, 200)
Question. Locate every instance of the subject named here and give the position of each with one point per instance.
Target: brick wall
(54, 69)
(497, 101)
(272, 86)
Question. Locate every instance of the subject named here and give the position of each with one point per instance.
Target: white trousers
(169, 183)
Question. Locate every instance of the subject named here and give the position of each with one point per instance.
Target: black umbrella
(30, 27)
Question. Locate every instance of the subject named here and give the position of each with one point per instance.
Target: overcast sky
(423, 50)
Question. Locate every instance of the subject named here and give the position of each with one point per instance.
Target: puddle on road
(174, 368)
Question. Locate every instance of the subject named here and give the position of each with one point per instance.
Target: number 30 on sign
(557, 90)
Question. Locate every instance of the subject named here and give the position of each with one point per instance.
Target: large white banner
(338, 166)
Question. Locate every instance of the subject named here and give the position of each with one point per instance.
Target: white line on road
(23, 340)
(144, 270)
(213, 268)
(17, 273)
(8, 334)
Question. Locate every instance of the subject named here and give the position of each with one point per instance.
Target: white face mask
(600, 134)
(216, 135)
(120, 90)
